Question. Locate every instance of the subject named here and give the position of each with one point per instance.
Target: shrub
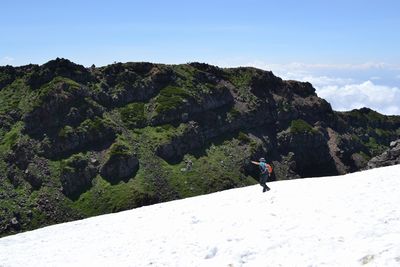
(133, 115)
(65, 131)
(242, 137)
(11, 137)
(234, 113)
(301, 126)
(170, 98)
(119, 149)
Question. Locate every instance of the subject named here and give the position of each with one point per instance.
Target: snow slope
(349, 220)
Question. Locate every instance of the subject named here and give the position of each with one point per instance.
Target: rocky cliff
(77, 142)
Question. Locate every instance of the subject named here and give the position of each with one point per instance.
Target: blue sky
(354, 41)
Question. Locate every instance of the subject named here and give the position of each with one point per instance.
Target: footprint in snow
(211, 253)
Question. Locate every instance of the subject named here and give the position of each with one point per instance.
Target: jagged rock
(76, 177)
(359, 161)
(192, 107)
(64, 103)
(91, 133)
(389, 157)
(22, 152)
(178, 146)
(34, 175)
(394, 143)
(310, 152)
(58, 67)
(285, 169)
(15, 224)
(263, 83)
(135, 82)
(120, 167)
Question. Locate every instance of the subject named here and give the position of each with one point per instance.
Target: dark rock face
(15, 224)
(63, 104)
(309, 153)
(36, 172)
(76, 177)
(7, 76)
(191, 139)
(192, 107)
(93, 134)
(388, 158)
(22, 153)
(120, 167)
(136, 82)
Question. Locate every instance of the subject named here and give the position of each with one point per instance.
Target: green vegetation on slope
(301, 126)
(77, 142)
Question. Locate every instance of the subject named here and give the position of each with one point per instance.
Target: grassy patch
(11, 137)
(301, 126)
(120, 148)
(374, 147)
(242, 137)
(161, 134)
(14, 96)
(233, 113)
(383, 133)
(132, 115)
(218, 169)
(95, 125)
(170, 98)
(106, 198)
(65, 131)
(240, 77)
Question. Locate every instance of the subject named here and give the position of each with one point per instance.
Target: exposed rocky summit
(77, 142)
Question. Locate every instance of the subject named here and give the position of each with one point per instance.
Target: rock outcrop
(77, 174)
(121, 164)
(388, 158)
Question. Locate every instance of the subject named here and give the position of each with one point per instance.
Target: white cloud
(383, 99)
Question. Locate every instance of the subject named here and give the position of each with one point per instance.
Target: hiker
(265, 170)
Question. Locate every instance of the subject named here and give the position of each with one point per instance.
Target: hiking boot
(265, 189)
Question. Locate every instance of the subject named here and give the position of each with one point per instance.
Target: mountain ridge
(78, 142)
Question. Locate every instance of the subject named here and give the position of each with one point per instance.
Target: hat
(262, 160)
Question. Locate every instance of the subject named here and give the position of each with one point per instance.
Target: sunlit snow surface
(349, 220)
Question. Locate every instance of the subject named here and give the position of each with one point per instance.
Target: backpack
(269, 167)
(265, 168)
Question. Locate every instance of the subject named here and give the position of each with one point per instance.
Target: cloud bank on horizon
(383, 99)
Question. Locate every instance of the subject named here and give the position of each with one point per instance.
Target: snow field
(350, 220)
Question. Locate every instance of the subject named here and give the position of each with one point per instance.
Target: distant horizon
(347, 50)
